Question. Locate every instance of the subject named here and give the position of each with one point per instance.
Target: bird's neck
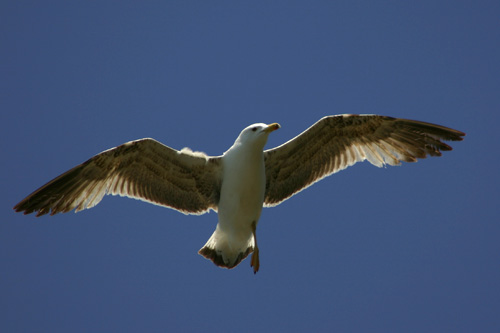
(250, 150)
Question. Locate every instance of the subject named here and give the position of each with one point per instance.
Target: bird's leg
(255, 255)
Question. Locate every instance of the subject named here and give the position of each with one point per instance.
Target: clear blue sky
(402, 249)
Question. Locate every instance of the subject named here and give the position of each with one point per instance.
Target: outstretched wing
(336, 142)
(144, 169)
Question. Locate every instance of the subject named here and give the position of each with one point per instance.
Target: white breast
(242, 192)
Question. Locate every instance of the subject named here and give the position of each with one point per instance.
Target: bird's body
(241, 199)
(244, 179)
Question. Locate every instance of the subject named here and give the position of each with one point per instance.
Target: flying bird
(243, 180)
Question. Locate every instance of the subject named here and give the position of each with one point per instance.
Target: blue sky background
(402, 249)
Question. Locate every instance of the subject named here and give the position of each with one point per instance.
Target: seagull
(246, 178)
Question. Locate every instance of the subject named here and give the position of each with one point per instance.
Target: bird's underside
(191, 182)
(218, 259)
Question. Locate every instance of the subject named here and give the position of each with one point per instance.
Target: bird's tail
(226, 251)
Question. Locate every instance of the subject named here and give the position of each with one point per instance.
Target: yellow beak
(272, 127)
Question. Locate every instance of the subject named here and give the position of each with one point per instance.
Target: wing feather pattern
(143, 169)
(336, 142)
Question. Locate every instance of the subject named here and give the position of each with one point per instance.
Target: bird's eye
(254, 129)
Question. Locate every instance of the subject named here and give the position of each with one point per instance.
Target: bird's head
(256, 135)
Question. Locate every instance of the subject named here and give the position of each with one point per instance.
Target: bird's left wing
(336, 142)
(143, 169)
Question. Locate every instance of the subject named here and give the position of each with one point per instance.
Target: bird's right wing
(143, 169)
(336, 142)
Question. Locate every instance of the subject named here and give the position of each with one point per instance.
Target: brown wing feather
(144, 169)
(336, 142)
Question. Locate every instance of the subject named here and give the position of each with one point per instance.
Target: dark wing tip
(20, 207)
(456, 135)
(445, 133)
(430, 135)
(26, 208)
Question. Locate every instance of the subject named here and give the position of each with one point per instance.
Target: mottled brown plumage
(144, 169)
(336, 142)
